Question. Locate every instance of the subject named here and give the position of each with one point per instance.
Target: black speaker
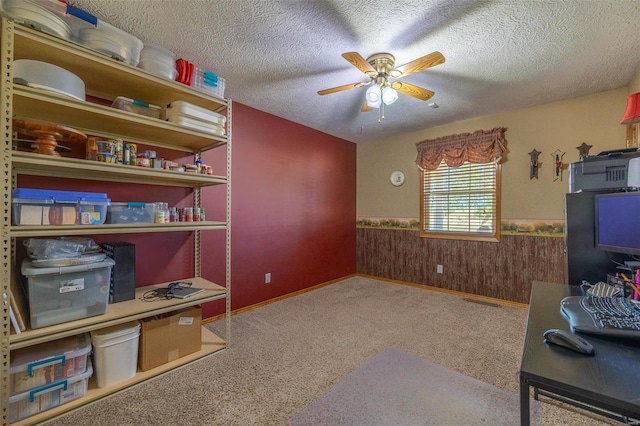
(123, 274)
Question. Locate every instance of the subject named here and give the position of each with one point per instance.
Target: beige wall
(563, 125)
(634, 85)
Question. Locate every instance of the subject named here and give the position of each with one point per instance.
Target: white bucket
(115, 353)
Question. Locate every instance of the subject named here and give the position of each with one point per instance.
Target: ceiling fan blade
(359, 62)
(366, 107)
(428, 61)
(341, 88)
(411, 90)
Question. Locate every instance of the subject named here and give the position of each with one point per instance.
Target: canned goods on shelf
(118, 145)
(133, 153)
(142, 160)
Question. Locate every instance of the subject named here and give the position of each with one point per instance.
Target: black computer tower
(583, 260)
(123, 274)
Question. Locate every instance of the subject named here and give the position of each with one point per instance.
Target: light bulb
(373, 95)
(389, 95)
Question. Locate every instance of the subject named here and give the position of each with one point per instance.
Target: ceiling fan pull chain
(381, 112)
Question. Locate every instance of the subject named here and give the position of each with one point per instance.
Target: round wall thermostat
(397, 178)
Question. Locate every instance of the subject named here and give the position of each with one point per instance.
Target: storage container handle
(136, 204)
(85, 16)
(43, 363)
(47, 388)
(141, 103)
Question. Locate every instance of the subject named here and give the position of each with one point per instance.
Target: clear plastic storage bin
(67, 293)
(47, 207)
(48, 362)
(131, 212)
(137, 107)
(49, 396)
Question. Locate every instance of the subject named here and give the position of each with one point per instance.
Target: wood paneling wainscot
(503, 270)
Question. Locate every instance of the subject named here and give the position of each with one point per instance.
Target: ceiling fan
(379, 67)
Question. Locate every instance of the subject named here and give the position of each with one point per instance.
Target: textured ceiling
(500, 55)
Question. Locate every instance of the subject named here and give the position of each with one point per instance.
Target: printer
(609, 170)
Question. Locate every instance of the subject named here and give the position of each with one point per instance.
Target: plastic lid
(59, 196)
(115, 331)
(70, 347)
(29, 270)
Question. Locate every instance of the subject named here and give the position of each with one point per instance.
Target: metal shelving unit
(105, 78)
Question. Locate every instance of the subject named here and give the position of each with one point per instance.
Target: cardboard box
(165, 338)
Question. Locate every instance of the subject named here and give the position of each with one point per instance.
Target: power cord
(164, 293)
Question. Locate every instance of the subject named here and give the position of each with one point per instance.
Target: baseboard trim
(453, 292)
(276, 299)
(422, 286)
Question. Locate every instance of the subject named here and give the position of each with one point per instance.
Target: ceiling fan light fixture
(374, 104)
(373, 95)
(389, 95)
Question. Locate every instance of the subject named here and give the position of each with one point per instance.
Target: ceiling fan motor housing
(383, 63)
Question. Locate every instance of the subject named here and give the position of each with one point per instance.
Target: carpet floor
(286, 354)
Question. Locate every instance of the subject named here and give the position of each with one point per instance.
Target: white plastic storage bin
(182, 108)
(115, 353)
(196, 124)
(67, 293)
(48, 207)
(49, 362)
(49, 396)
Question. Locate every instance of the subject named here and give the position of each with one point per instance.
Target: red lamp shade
(632, 113)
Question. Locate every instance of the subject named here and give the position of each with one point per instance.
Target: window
(460, 197)
(461, 202)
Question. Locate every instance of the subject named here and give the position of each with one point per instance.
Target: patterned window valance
(482, 146)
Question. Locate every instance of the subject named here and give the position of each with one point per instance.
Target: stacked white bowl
(159, 61)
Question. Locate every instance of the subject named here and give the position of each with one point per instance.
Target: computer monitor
(617, 218)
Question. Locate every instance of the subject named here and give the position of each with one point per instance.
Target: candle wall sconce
(534, 165)
(583, 150)
(558, 165)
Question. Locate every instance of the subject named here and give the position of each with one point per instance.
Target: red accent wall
(293, 212)
(293, 207)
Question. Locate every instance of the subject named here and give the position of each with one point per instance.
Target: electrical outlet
(267, 278)
(439, 269)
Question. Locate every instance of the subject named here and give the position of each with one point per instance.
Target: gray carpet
(397, 388)
(286, 354)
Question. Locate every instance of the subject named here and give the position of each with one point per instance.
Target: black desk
(609, 380)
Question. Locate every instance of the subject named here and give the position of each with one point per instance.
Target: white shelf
(62, 230)
(94, 118)
(210, 345)
(28, 163)
(105, 78)
(119, 313)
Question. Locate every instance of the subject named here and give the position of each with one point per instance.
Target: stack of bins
(195, 117)
(47, 375)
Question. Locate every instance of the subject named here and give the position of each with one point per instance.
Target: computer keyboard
(613, 316)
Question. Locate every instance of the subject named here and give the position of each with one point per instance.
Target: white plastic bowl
(36, 16)
(159, 61)
(113, 42)
(46, 76)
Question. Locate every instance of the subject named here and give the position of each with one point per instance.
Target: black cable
(164, 293)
